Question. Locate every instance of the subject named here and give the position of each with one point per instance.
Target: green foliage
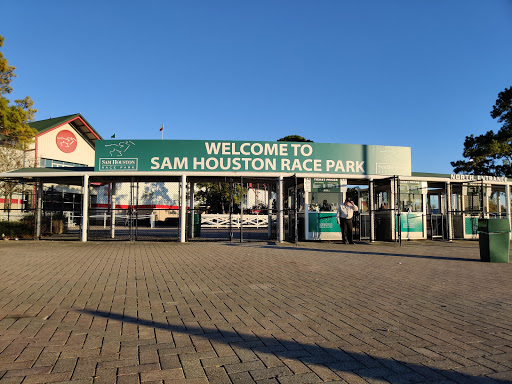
(219, 196)
(12, 229)
(14, 118)
(295, 138)
(490, 153)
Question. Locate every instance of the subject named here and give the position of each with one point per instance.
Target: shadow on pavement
(364, 365)
(343, 249)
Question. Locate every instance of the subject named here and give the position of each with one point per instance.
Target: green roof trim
(44, 125)
(425, 174)
(53, 170)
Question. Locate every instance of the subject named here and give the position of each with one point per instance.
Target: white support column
(306, 215)
(269, 212)
(507, 201)
(449, 216)
(487, 195)
(280, 213)
(192, 211)
(39, 208)
(85, 207)
(393, 206)
(371, 203)
(113, 211)
(183, 208)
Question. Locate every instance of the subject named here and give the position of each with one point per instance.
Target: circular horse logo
(66, 141)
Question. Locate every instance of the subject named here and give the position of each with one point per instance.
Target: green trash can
(494, 240)
(197, 224)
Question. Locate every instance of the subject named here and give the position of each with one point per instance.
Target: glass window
(434, 204)
(493, 201)
(363, 202)
(411, 197)
(473, 197)
(503, 207)
(49, 163)
(411, 202)
(324, 201)
(383, 200)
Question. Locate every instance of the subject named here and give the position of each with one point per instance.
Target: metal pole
(296, 209)
(507, 201)
(136, 210)
(130, 211)
(231, 193)
(242, 208)
(191, 210)
(269, 213)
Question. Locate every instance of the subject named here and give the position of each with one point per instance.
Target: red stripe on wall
(13, 201)
(150, 206)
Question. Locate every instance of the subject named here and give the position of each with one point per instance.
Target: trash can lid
(493, 225)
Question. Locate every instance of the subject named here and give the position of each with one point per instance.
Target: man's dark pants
(346, 230)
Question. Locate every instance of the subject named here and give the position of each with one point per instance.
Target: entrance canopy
(291, 188)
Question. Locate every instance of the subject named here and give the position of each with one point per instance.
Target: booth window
(411, 197)
(474, 194)
(324, 201)
(382, 200)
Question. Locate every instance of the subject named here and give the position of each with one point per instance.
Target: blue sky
(422, 74)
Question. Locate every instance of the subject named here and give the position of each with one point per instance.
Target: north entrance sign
(279, 157)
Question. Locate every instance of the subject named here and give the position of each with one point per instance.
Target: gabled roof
(77, 121)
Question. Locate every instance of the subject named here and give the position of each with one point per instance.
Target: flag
(113, 136)
(162, 128)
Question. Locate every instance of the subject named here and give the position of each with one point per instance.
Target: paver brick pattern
(120, 312)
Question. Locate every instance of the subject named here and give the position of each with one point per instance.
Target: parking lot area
(149, 312)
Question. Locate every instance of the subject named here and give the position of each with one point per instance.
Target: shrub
(12, 229)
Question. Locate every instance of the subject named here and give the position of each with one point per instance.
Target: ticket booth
(437, 224)
(323, 197)
(412, 208)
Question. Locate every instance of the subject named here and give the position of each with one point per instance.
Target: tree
(11, 158)
(295, 138)
(14, 118)
(490, 153)
(219, 196)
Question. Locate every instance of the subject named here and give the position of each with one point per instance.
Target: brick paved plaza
(107, 312)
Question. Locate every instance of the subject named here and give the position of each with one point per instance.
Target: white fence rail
(222, 221)
(14, 215)
(122, 219)
(207, 220)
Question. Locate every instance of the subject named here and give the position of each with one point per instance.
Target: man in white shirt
(344, 216)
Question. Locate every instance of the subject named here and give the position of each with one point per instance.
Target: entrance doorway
(231, 209)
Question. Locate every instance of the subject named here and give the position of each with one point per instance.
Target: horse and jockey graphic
(120, 148)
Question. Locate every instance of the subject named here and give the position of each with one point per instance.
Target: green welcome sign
(251, 156)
